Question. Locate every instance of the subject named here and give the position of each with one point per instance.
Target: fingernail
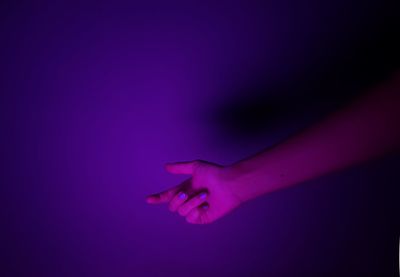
(182, 195)
(203, 195)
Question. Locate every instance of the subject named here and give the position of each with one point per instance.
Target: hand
(205, 197)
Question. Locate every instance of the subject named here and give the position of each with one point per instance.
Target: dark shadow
(321, 88)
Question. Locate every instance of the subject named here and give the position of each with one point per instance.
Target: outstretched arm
(367, 128)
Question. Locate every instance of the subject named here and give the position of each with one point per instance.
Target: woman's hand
(205, 197)
(366, 129)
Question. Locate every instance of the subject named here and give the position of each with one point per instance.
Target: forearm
(365, 129)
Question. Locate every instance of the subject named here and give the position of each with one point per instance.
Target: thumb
(182, 167)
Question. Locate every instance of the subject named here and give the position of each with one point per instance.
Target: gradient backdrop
(97, 96)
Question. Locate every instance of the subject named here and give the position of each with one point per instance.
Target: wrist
(244, 181)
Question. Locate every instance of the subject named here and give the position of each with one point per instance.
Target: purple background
(96, 97)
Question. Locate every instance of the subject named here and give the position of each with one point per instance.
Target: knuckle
(191, 203)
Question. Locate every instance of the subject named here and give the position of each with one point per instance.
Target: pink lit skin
(203, 198)
(367, 128)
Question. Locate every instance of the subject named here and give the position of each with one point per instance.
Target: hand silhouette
(205, 197)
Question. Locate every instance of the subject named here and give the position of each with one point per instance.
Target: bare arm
(365, 129)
